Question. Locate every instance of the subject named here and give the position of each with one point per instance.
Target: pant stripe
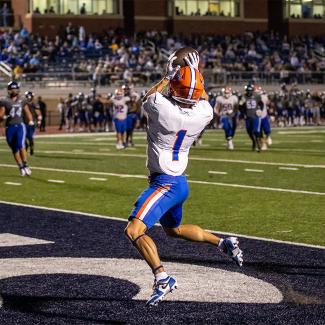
(24, 136)
(150, 201)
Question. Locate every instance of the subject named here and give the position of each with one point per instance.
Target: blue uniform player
(37, 118)
(12, 110)
(252, 107)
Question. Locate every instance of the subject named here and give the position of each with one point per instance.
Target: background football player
(265, 121)
(12, 109)
(174, 122)
(37, 119)
(252, 107)
(226, 107)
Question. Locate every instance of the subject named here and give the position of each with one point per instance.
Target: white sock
(161, 276)
(220, 245)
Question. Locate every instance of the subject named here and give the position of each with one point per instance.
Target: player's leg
(249, 130)
(171, 223)
(266, 128)
(162, 194)
(21, 138)
(257, 133)
(136, 233)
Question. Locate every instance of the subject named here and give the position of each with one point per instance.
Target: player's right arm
(162, 84)
(2, 113)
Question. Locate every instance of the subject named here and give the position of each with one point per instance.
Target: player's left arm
(28, 114)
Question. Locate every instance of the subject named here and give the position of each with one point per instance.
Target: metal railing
(145, 78)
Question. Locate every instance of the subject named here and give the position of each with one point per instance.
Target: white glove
(31, 123)
(170, 69)
(192, 60)
(229, 112)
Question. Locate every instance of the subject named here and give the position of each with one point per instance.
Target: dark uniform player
(252, 109)
(132, 118)
(12, 109)
(99, 114)
(37, 118)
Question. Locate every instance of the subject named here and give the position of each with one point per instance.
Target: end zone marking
(288, 168)
(12, 183)
(216, 172)
(98, 179)
(55, 181)
(254, 170)
(126, 220)
(11, 240)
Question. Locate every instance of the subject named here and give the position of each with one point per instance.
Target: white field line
(302, 132)
(12, 183)
(254, 170)
(56, 181)
(288, 168)
(190, 181)
(197, 158)
(125, 220)
(98, 179)
(216, 172)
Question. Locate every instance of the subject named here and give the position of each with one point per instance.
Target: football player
(174, 122)
(132, 120)
(265, 121)
(12, 109)
(37, 118)
(120, 110)
(252, 109)
(226, 107)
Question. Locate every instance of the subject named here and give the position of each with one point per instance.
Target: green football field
(277, 194)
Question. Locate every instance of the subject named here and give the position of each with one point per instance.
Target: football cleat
(269, 140)
(161, 289)
(22, 171)
(230, 247)
(28, 171)
(230, 145)
(264, 147)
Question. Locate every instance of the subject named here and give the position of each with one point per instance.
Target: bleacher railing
(63, 79)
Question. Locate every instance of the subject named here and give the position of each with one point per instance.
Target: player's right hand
(170, 69)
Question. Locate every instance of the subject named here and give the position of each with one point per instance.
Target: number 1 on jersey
(180, 135)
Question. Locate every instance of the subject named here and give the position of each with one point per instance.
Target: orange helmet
(187, 86)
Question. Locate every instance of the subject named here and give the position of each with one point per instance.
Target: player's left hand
(170, 69)
(192, 60)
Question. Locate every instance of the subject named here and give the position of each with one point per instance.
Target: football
(181, 54)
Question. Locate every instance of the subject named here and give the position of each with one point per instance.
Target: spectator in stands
(83, 9)
(5, 13)
(51, 10)
(36, 10)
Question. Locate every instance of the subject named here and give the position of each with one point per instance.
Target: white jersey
(171, 132)
(227, 105)
(265, 101)
(120, 107)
